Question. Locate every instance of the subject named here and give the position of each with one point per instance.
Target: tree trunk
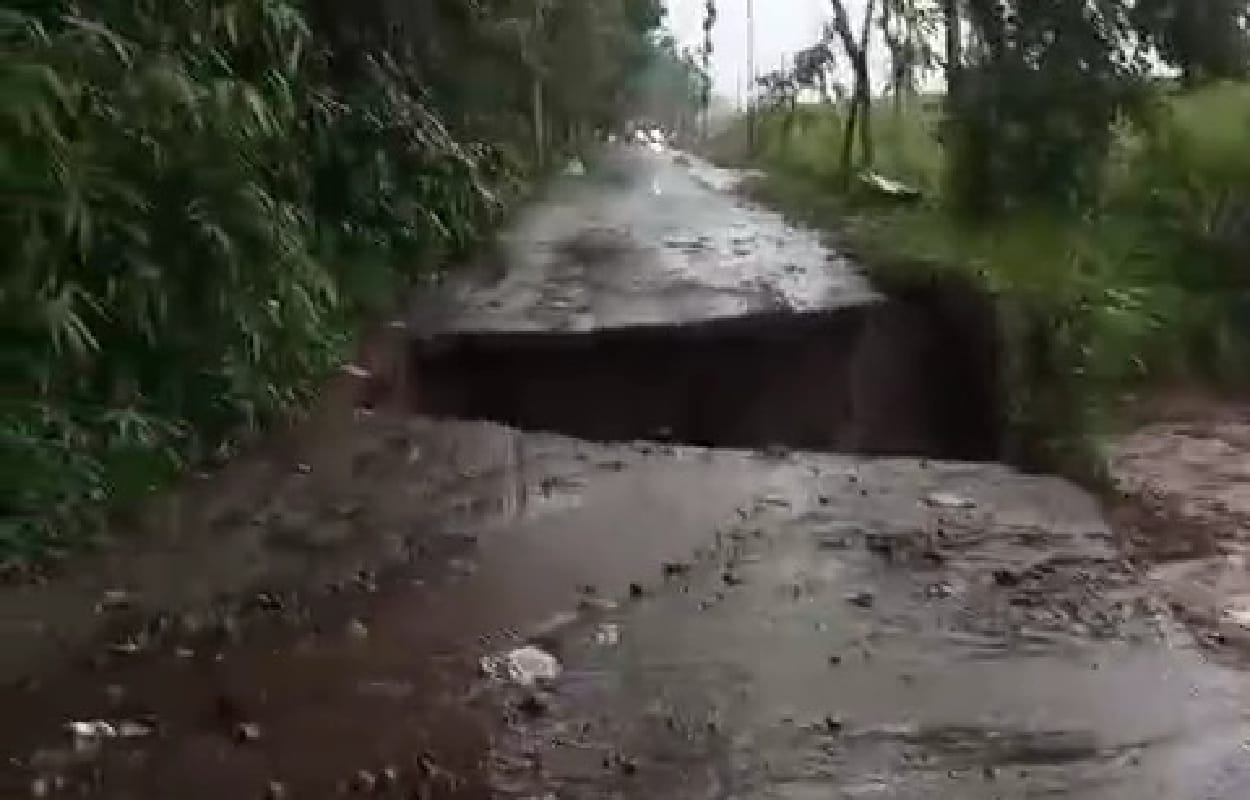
(848, 141)
(861, 102)
(864, 86)
(954, 45)
(540, 148)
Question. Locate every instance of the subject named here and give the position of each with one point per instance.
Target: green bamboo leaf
(118, 45)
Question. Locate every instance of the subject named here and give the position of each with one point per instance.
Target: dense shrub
(193, 212)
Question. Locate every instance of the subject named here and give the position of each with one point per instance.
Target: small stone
(863, 599)
(114, 599)
(535, 704)
(833, 724)
(364, 782)
(989, 773)
(246, 732)
(388, 777)
(732, 579)
(357, 630)
(40, 787)
(302, 468)
(835, 660)
(635, 590)
(275, 790)
(600, 605)
(135, 728)
(673, 569)
(128, 647)
(1005, 577)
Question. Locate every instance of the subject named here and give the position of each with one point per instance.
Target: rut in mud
(912, 375)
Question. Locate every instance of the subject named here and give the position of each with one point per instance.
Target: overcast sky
(781, 28)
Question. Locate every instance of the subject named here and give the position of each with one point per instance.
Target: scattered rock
(388, 777)
(608, 634)
(357, 630)
(535, 704)
(597, 605)
(126, 647)
(364, 782)
(303, 469)
(880, 544)
(91, 729)
(525, 666)
(862, 599)
(732, 579)
(674, 569)
(40, 787)
(113, 600)
(835, 660)
(939, 590)
(268, 601)
(949, 500)
(1005, 577)
(246, 732)
(834, 724)
(635, 590)
(136, 728)
(275, 790)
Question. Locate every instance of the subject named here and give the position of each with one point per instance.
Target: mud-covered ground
(357, 608)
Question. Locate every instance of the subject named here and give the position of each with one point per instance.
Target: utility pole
(751, 77)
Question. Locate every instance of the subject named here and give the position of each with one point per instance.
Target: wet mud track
(755, 619)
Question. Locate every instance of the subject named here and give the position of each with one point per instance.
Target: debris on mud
(949, 500)
(608, 634)
(247, 732)
(524, 666)
(861, 599)
(357, 631)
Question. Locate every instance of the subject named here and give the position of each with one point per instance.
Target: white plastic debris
(525, 666)
(949, 500)
(575, 168)
(1238, 616)
(608, 634)
(91, 729)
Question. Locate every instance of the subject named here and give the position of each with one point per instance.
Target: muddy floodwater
(659, 500)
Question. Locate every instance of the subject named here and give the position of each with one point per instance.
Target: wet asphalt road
(729, 624)
(646, 239)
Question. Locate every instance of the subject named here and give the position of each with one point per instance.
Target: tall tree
(1205, 39)
(1039, 88)
(859, 115)
(709, 23)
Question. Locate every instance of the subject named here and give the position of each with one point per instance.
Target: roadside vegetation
(1094, 184)
(203, 200)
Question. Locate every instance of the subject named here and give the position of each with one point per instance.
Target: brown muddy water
(736, 611)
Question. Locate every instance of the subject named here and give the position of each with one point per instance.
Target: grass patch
(1148, 289)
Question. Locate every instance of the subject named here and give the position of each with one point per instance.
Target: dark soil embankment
(913, 375)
